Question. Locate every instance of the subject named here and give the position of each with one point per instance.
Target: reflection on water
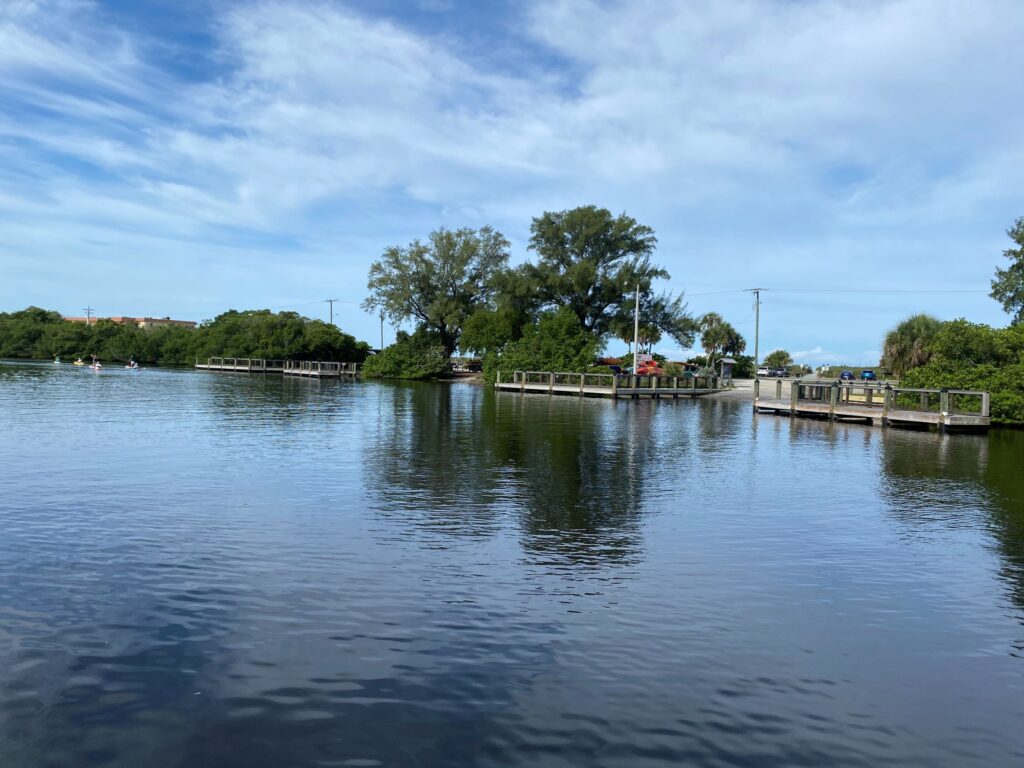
(248, 571)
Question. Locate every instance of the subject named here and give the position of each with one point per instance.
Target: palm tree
(908, 345)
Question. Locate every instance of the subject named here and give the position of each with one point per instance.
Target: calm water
(214, 570)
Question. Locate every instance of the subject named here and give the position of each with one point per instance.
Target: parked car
(764, 371)
(868, 376)
(780, 372)
(846, 376)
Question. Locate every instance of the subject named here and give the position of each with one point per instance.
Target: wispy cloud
(823, 144)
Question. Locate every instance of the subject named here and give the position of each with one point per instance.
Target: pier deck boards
(878, 404)
(607, 385)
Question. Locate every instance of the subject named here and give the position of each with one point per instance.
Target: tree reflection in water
(572, 474)
(962, 481)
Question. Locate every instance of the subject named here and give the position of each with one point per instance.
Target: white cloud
(817, 143)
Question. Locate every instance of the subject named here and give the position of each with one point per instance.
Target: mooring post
(794, 395)
(986, 404)
(654, 386)
(551, 383)
(583, 381)
(615, 385)
(833, 400)
(886, 405)
(522, 382)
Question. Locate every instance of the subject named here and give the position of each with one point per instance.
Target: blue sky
(182, 157)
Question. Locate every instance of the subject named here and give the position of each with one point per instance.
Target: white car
(763, 371)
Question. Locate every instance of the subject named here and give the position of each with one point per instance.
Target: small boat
(96, 367)
(56, 360)
(78, 362)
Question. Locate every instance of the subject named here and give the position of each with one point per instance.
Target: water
(215, 570)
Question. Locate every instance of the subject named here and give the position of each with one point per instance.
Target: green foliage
(556, 342)
(719, 338)
(1005, 382)
(35, 333)
(417, 356)
(909, 344)
(778, 358)
(1008, 285)
(439, 284)
(967, 355)
(488, 330)
(591, 263)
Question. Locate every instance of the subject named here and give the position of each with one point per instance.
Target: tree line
(556, 312)
(42, 334)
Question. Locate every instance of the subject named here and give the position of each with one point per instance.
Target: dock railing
(608, 384)
(879, 399)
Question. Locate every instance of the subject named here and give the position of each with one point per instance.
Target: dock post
(583, 381)
(886, 405)
(675, 387)
(522, 382)
(778, 389)
(794, 395)
(833, 400)
(551, 383)
(986, 404)
(497, 379)
(654, 387)
(615, 386)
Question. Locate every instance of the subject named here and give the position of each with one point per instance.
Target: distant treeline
(41, 334)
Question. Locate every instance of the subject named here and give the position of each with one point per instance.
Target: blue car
(868, 376)
(846, 376)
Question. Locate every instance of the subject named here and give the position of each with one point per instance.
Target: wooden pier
(879, 404)
(315, 369)
(608, 385)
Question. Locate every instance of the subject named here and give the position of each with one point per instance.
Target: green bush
(1005, 382)
(556, 342)
(419, 356)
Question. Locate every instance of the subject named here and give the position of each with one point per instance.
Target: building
(141, 322)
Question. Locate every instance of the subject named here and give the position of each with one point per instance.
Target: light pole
(331, 302)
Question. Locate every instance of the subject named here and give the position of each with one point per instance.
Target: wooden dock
(316, 369)
(879, 404)
(608, 385)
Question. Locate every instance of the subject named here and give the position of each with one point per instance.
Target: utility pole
(757, 326)
(88, 315)
(382, 330)
(636, 328)
(331, 302)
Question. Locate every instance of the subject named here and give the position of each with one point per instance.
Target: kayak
(78, 362)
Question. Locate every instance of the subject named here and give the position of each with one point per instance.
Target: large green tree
(440, 283)
(909, 344)
(592, 262)
(1008, 285)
